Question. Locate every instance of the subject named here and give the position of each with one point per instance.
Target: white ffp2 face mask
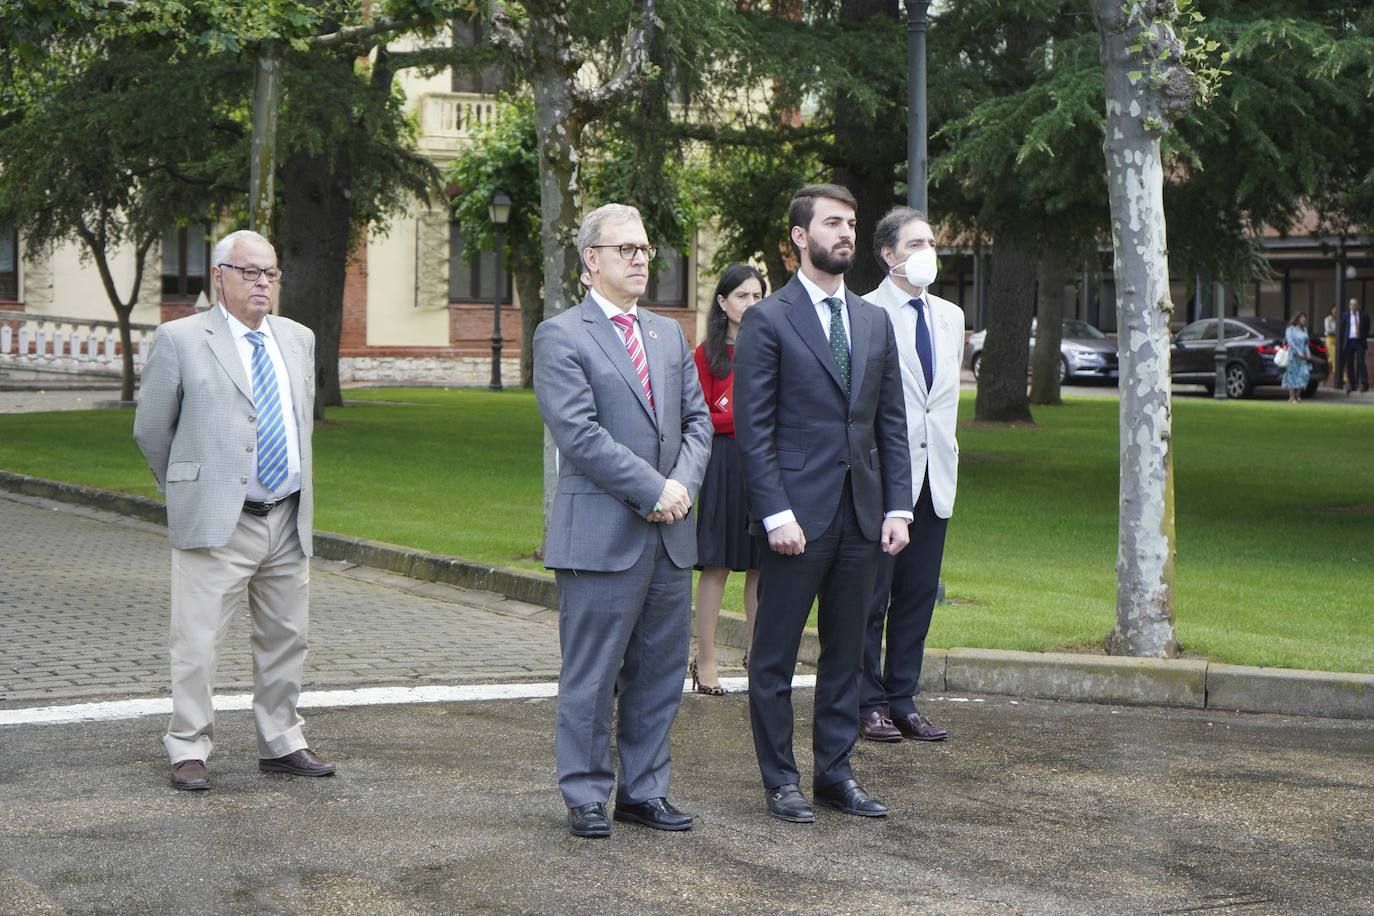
(919, 269)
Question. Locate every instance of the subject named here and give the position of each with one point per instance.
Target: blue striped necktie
(272, 464)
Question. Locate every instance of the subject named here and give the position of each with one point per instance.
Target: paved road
(83, 613)
(1031, 807)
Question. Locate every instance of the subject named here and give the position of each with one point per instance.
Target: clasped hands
(788, 539)
(673, 504)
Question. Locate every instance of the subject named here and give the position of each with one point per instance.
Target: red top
(720, 393)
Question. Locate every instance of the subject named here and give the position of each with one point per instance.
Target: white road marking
(365, 696)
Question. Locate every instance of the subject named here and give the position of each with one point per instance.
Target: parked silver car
(1084, 351)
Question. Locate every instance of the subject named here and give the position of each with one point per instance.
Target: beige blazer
(931, 415)
(197, 426)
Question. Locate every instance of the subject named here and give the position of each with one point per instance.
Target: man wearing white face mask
(930, 338)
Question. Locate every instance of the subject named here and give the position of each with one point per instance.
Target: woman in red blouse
(723, 540)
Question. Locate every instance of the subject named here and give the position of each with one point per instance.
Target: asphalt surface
(1031, 807)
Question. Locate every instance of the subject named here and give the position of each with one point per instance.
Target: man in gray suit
(224, 417)
(618, 390)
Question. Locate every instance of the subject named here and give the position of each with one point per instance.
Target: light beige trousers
(263, 559)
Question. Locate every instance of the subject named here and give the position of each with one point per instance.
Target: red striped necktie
(626, 323)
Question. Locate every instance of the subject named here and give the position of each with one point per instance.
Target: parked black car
(1250, 347)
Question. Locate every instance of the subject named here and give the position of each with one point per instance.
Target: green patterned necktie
(839, 343)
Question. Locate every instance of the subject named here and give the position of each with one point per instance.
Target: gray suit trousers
(629, 629)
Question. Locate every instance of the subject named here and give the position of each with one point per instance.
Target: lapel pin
(654, 335)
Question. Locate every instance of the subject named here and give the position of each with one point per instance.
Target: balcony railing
(451, 119)
(54, 343)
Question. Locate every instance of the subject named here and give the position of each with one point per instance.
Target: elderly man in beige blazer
(224, 417)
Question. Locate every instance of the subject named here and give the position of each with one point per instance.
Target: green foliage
(504, 156)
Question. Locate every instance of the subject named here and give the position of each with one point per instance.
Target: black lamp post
(917, 164)
(500, 215)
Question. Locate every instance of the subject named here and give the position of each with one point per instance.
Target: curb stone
(1185, 683)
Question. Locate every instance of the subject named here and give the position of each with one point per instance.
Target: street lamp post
(917, 165)
(500, 215)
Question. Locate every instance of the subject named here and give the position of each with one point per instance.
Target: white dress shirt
(612, 310)
(818, 297)
(904, 320)
(1353, 325)
(256, 491)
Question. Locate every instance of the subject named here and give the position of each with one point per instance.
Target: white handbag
(1283, 357)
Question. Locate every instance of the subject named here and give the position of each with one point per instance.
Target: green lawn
(1275, 511)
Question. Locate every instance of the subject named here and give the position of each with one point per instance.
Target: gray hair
(891, 226)
(590, 232)
(224, 246)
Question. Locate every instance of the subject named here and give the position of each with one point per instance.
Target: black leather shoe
(786, 803)
(915, 725)
(303, 762)
(589, 820)
(877, 727)
(657, 813)
(849, 797)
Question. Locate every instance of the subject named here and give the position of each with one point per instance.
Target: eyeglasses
(628, 251)
(251, 274)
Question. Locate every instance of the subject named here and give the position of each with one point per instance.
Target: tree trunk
(558, 129)
(1047, 360)
(531, 313)
(96, 245)
(1005, 357)
(1137, 114)
(315, 226)
(866, 147)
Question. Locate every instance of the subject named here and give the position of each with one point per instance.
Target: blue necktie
(923, 347)
(272, 464)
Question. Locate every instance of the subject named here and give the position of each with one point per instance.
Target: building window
(9, 263)
(185, 262)
(668, 284)
(487, 80)
(472, 280)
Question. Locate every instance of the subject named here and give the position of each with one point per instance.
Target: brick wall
(353, 333)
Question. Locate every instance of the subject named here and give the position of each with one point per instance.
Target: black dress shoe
(786, 803)
(877, 727)
(589, 820)
(303, 762)
(849, 797)
(657, 813)
(915, 725)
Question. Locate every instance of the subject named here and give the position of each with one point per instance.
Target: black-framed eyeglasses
(251, 274)
(628, 251)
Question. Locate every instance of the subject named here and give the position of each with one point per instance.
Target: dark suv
(1250, 347)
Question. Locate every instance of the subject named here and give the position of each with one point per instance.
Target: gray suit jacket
(196, 424)
(615, 451)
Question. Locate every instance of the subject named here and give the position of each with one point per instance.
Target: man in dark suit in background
(1354, 342)
(821, 423)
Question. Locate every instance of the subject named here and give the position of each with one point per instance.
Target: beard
(832, 262)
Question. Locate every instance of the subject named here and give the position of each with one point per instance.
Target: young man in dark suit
(821, 423)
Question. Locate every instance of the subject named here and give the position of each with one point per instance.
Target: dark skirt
(723, 537)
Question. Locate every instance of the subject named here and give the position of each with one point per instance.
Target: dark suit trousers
(1352, 359)
(904, 595)
(838, 568)
(629, 629)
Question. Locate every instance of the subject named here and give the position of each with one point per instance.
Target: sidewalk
(83, 613)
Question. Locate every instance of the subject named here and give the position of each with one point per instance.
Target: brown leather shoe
(877, 727)
(297, 763)
(190, 775)
(914, 725)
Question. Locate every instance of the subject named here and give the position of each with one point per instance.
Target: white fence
(53, 343)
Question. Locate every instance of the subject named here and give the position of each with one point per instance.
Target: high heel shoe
(699, 687)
